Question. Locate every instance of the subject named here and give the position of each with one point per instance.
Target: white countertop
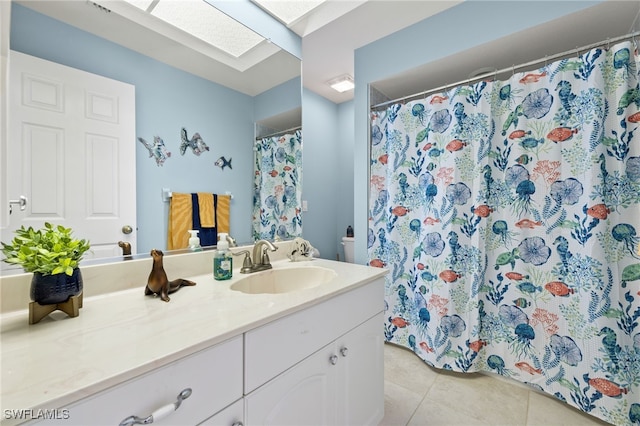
(123, 334)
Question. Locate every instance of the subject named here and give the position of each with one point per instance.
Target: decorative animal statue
(158, 283)
(223, 162)
(126, 248)
(196, 143)
(300, 249)
(156, 150)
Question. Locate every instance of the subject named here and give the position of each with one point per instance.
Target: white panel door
(71, 152)
(360, 392)
(302, 395)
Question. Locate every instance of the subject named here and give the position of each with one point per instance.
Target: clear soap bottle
(194, 241)
(222, 260)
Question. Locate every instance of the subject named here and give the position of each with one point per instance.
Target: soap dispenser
(222, 259)
(194, 241)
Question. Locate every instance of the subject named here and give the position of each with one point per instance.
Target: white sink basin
(283, 280)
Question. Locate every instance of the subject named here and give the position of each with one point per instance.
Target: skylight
(288, 11)
(201, 20)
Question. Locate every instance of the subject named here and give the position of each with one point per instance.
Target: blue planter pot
(58, 288)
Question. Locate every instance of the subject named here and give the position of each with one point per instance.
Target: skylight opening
(288, 11)
(201, 20)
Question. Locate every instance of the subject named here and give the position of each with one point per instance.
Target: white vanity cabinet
(325, 366)
(311, 357)
(214, 376)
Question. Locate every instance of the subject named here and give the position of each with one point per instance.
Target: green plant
(50, 250)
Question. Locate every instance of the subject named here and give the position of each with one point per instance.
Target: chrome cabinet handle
(333, 359)
(158, 414)
(344, 351)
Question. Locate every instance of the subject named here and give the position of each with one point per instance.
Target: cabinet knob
(158, 414)
(333, 359)
(344, 351)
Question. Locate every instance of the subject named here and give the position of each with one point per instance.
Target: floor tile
(418, 395)
(545, 410)
(481, 397)
(404, 368)
(434, 413)
(399, 404)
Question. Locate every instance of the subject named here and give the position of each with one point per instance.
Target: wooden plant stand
(71, 307)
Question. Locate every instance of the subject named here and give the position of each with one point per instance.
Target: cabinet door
(302, 395)
(360, 392)
(233, 415)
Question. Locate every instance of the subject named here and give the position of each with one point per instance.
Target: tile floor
(416, 394)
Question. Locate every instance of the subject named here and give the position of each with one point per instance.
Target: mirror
(176, 87)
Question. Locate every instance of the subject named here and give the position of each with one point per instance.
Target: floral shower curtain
(508, 215)
(277, 187)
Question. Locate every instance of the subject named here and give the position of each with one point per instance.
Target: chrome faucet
(231, 241)
(260, 257)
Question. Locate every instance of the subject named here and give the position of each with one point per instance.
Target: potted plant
(52, 255)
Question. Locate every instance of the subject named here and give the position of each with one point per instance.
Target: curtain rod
(281, 132)
(511, 68)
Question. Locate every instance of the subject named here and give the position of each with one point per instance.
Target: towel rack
(167, 194)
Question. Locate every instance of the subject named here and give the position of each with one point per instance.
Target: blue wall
(167, 99)
(328, 173)
(320, 186)
(344, 173)
(454, 30)
(283, 98)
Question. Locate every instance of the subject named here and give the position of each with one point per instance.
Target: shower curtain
(277, 198)
(508, 215)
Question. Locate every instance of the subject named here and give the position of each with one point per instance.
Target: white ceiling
(335, 29)
(329, 50)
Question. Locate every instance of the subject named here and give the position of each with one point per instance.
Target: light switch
(304, 206)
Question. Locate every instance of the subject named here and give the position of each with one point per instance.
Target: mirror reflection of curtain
(507, 215)
(277, 196)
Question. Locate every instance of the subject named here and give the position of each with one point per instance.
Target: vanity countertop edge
(124, 334)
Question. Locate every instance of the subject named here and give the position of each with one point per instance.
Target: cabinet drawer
(213, 374)
(274, 347)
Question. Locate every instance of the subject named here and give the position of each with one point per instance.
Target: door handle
(22, 202)
(127, 229)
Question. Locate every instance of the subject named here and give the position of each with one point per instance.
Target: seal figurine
(126, 248)
(158, 283)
